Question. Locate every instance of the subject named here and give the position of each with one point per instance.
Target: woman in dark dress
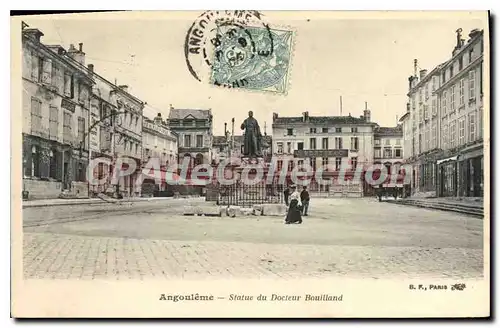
(294, 210)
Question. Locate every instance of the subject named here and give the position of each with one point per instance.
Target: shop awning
(454, 158)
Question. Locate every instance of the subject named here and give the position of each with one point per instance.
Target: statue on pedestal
(252, 137)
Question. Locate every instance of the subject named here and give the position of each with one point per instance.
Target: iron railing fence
(245, 195)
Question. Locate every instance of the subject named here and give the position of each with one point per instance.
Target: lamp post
(82, 142)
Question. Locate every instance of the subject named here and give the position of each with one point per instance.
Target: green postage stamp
(251, 57)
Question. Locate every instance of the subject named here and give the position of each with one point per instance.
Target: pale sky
(359, 56)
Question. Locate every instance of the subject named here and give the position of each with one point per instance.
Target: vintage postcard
(245, 163)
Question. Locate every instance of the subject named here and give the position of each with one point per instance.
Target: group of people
(297, 204)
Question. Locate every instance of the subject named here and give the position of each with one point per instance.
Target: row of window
(38, 128)
(389, 153)
(428, 139)
(188, 143)
(456, 133)
(44, 70)
(313, 146)
(131, 147)
(154, 140)
(353, 163)
(451, 70)
(387, 142)
(453, 98)
(198, 123)
(466, 131)
(164, 158)
(290, 131)
(449, 101)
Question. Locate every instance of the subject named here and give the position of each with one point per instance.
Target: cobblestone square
(341, 237)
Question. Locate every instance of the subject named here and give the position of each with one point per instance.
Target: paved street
(342, 237)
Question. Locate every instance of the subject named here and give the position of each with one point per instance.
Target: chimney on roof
(275, 116)
(157, 119)
(423, 73)
(33, 33)
(91, 69)
(123, 87)
(473, 33)
(305, 116)
(58, 49)
(415, 65)
(77, 54)
(367, 113)
(410, 80)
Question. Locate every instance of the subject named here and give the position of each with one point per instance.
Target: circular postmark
(214, 28)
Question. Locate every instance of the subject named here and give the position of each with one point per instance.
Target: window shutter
(27, 158)
(74, 165)
(47, 71)
(67, 84)
(34, 66)
(59, 165)
(44, 163)
(28, 68)
(72, 87)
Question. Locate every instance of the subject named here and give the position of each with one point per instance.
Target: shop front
(471, 172)
(447, 177)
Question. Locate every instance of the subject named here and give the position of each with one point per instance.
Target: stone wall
(42, 189)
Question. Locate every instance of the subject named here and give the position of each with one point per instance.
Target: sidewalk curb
(94, 202)
(449, 208)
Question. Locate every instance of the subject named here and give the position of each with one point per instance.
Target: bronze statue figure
(252, 137)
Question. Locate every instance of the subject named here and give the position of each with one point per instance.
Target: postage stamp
(251, 57)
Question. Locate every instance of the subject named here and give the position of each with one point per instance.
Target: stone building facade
(333, 141)
(56, 115)
(424, 122)
(460, 168)
(159, 143)
(443, 126)
(117, 133)
(70, 115)
(194, 128)
(388, 145)
(128, 137)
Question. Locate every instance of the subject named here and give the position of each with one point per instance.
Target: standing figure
(295, 208)
(286, 194)
(252, 138)
(304, 198)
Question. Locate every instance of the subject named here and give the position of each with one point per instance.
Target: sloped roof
(389, 131)
(179, 114)
(321, 120)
